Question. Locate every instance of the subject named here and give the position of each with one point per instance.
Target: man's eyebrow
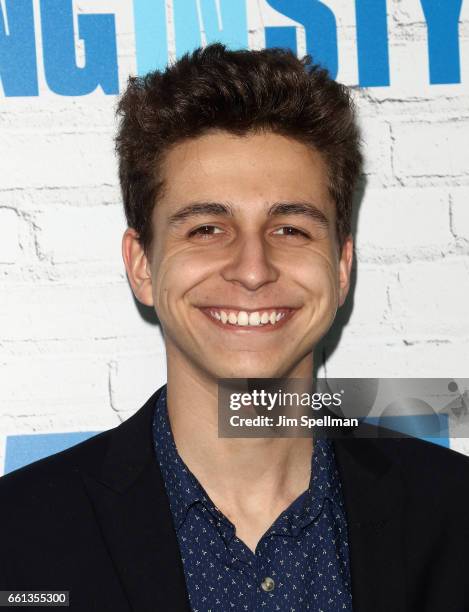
(307, 209)
(225, 209)
(200, 208)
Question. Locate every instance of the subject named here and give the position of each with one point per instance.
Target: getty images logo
(268, 400)
(195, 23)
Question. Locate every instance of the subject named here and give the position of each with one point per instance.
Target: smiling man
(238, 170)
(245, 264)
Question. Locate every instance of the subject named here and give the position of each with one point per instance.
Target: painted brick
(71, 234)
(134, 378)
(376, 136)
(10, 247)
(57, 159)
(53, 385)
(378, 357)
(430, 299)
(72, 312)
(460, 213)
(369, 315)
(425, 149)
(403, 221)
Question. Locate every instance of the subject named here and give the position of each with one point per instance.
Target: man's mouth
(265, 318)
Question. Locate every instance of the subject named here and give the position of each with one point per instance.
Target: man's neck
(251, 480)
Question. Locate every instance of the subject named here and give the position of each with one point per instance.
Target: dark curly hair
(240, 92)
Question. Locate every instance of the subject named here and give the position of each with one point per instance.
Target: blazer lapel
(373, 498)
(132, 509)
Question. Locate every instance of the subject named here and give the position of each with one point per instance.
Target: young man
(237, 172)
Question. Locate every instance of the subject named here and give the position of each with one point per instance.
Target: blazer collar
(128, 494)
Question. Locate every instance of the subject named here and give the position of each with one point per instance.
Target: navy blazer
(95, 520)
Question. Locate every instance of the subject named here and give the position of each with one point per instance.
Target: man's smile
(263, 319)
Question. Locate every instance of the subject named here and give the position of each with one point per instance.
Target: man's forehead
(219, 152)
(260, 169)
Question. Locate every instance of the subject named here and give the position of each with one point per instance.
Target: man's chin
(254, 370)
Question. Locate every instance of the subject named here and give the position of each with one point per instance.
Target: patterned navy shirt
(300, 563)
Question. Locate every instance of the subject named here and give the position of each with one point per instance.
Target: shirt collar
(184, 490)
(324, 483)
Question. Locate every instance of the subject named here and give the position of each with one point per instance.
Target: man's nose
(251, 263)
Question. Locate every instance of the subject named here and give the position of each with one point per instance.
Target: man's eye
(292, 231)
(204, 230)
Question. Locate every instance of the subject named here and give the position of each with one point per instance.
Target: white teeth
(243, 318)
(254, 318)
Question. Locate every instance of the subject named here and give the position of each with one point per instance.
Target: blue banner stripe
(24, 449)
(151, 39)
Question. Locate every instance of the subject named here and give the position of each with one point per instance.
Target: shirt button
(268, 584)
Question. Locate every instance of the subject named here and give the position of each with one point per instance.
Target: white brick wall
(10, 246)
(74, 352)
(438, 154)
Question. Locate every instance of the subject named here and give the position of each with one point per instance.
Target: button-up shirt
(300, 563)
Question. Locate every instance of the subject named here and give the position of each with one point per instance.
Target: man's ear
(137, 266)
(345, 268)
